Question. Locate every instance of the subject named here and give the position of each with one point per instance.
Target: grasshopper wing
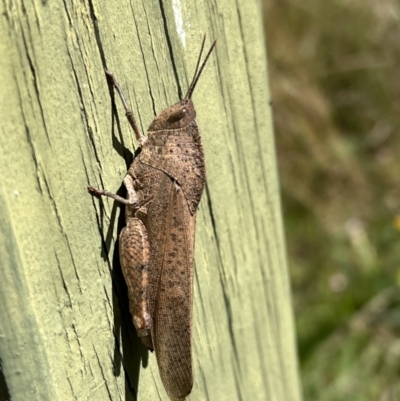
(172, 313)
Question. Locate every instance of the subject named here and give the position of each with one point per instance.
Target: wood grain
(65, 327)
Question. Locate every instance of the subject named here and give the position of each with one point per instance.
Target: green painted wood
(65, 330)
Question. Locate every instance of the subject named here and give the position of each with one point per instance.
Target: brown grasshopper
(164, 185)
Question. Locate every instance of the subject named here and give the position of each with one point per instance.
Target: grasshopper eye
(177, 115)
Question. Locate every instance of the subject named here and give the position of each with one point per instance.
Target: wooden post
(65, 328)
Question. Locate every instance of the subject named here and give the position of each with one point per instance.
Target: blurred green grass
(334, 77)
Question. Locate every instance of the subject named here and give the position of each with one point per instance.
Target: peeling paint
(176, 6)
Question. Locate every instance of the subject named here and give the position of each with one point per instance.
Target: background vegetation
(334, 76)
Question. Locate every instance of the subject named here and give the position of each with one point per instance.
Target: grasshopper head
(177, 116)
(181, 114)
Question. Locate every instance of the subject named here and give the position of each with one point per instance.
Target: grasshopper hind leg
(134, 256)
(134, 253)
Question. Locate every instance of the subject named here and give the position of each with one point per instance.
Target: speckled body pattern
(164, 186)
(170, 225)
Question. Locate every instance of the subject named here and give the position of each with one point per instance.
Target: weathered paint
(64, 320)
(180, 29)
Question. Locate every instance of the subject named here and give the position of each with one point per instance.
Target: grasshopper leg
(132, 200)
(134, 252)
(128, 112)
(104, 192)
(134, 255)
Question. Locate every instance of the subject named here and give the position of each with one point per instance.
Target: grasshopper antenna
(198, 72)
(198, 63)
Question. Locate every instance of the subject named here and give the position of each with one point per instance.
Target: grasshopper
(164, 185)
